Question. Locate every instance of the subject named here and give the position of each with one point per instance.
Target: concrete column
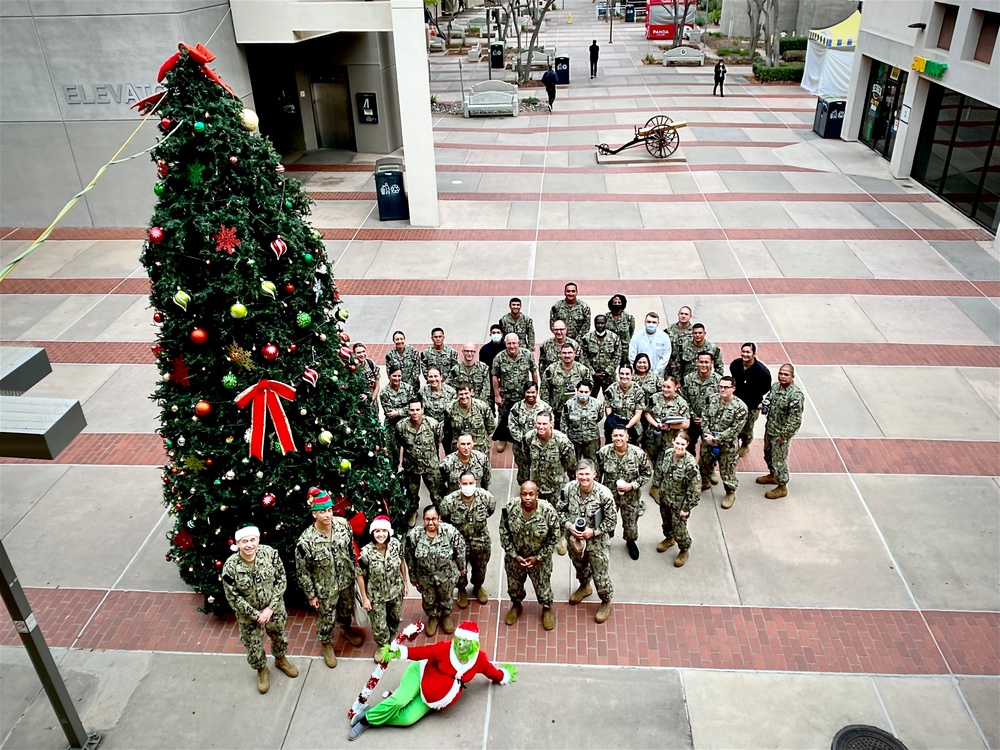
(905, 148)
(857, 97)
(414, 108)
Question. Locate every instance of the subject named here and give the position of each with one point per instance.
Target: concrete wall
(70, 71)
(798, 16)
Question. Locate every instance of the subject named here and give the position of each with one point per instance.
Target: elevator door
(332, 109)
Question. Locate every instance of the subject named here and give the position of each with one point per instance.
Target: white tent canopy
(829, 57)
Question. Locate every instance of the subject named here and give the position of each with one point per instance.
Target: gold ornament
(239, 356)
(249, 120)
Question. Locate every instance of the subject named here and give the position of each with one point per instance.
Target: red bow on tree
(266, 398)
(201, 55)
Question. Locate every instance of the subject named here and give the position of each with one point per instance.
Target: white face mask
(495, 338)
(468, 489)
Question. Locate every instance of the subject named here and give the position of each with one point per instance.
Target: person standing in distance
(720, 78)
(753, 381)
(783, 408)
(549, 82)
(595, 52)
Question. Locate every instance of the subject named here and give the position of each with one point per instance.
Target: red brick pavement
(713, 637)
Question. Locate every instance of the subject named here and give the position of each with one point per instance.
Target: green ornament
(170, 443)
(217, 481)
(303, 319)
(307, 257)
(159, 188)
(288, 204)
(199, 127)
(229, 380)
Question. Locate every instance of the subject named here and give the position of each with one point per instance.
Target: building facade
(925, 94)
(795, 17)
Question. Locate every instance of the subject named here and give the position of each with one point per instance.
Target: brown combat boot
(580, 594)
(548, 618)
(767, 479)
(603, 613)
(664, 545)
(448, 625)
(286, 666)
(432, 627)
(728, 500)
(512, 614)
(716, 477)
(355, 636)
(681, 559)
(706, 483)
(329, 658)
(463, 598)
(263, 680)
(481, 596)
(779, 491)
(377, 656)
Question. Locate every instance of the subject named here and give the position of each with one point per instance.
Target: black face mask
(616, 308)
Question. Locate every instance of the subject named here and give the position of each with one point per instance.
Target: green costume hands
(388, 654)
(511, 670)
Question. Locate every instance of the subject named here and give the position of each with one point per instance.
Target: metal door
(332, 111)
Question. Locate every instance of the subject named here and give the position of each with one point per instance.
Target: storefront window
(880, 122)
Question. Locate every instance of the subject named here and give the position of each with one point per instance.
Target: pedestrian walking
(549, 82)
(595, 52)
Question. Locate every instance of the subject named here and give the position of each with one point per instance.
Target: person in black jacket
(753, 381)
(595, 52)
(720, 78)
(549, 82)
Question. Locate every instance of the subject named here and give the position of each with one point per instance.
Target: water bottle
(765, 405)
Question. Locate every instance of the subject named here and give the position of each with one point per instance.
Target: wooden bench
(490, 99)
(683, 56)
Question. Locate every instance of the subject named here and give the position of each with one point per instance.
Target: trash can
(829, 118)
(496, 55)
(562, 71)
(389, 189)
(629, 13)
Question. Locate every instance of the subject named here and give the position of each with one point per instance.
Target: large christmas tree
(259, 391)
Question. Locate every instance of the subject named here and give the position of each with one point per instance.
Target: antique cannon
(659, 134)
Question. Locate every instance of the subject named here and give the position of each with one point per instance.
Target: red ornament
(199, 336)
(309, 447)
(174, 470)
(268, 500)
(269, 352)
(166, 123)
(183, 539)
(225, 239)
(310, 376)
(218, 563)
(345, 338)
(289, 288)
(156, 349)
(156, 235)
(157, 317)
(179, 373)
(279, 247)
(233, 160)
(162, 168)
(208, 462)
(292, 347)
(345, 353)
(352, 368)
(203, 408)
(168, 558)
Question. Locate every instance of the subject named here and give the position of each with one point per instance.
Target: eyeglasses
(726, 387)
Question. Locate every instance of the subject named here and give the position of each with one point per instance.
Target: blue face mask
(650, 328)
(583, 397)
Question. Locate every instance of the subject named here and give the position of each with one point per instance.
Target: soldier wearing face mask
(580, 417)
(487, 353)
(469, 509)
(621, 322)
(601, 351)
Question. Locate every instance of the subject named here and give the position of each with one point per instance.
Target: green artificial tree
(259, 391)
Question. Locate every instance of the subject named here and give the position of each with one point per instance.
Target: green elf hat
(319, 499)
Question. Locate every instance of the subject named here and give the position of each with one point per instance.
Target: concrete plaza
(870, 595)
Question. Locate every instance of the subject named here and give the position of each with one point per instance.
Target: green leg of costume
(404, 707)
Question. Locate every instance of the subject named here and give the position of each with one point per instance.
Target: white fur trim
(380, 523)
(245, 532)
(506, 677)
(403, 650)
(467, 635)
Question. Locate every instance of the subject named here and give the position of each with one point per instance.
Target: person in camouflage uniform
(468, 415)
(517, 322)
(721, 427)
(679, 333)
(551, 457)
(253, 580)
(621, 323)
(699, 387)
(560, 379)
(521, 424)
(436, 395)
(694, 346)
(668, 404)
(677, 477)
(624, 469)
(512, 370)
(580, 419)
(381, 575)
(468, 509)
(529, 531)
(644, 376)
(548, 352)
(601, 351)
(435, 556)
(443, 357)
(369, 371)
(464, 459)
(586, 499)
(783, 407)
(419, 438)
(472, 371)
(624, 404)
(406, 358)
(575, 313)
(394, 399)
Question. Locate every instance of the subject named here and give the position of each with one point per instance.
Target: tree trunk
(754, 12)
(772, 35)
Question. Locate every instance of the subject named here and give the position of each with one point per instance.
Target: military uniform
(478, 376)
(678, 336)
(434, 566)
(624, 327)
(452, 469)
(408, 362)
(598, 508)
(548, 353)
(660, 408)
(523, 326)
(436, 403)
(420, 458)
(521, 424)
(724, 421)
(689, 357)
(324, 567)
(680, 489)
(251, 588)
(513, 375)
(577, 317)
(784, 418)
(580, 422)
(559, 386)
(535, 536)
(478, 421)
(623, 405)
(392, 400)
(632, 467)
(601, 353)
(444, 359)
(383, 576)
(551, 463)
(650, 382)
(697, 393)
(471, 518)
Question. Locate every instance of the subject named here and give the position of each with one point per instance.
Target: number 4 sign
(367, 109)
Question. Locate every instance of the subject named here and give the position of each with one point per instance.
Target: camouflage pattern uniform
(420, 458)
(324, 568)
(678, 337)
(394, 401)
(697, 393)
(444, 359)
(660, 408)
(452, 469)
(551, 463)
(784, 417)
(577, 317)
(724, 421)
(523, 326)
(680, 489)
(478, 376)
(384, 585)
(632, 467)
(623, 405)
(624, 327)
(371, 374)
(559, 386)
(521, 425)
(436, 403)
(434, 566)
(601, 353)
(513, 375)
(408, 362)
(535, 536)
(596, 558)
(689, 357)
(548, 353)
(478, 421)
(471, 521)
(251, 588)
(580, 422)
(650, 382)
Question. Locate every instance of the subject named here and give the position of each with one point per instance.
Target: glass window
(988, 210)
(936, 132)
(974, 135)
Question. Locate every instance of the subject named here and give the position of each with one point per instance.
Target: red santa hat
(381, 522)
(468, 630)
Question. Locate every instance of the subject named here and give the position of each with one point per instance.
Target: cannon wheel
(604, 149)
(664, 139)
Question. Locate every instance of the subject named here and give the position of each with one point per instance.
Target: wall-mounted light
(920, 26)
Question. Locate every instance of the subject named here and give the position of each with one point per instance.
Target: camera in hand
(580, 524)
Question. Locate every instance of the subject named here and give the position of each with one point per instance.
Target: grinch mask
(465, 649)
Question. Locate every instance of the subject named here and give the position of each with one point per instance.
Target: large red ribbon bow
(201, 55)
(266, 397)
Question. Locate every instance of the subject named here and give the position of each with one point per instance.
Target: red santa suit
(442, 674)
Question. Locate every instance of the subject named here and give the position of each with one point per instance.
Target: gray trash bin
(390, 190)
(829, 118)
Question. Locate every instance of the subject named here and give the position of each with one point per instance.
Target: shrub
(701, 19)
(473, 31)
(793, 42)
(434, 99)
(649, 60)
(784, 72)
(724, 51)
(794, 55)
(715, 16)
(529, 101)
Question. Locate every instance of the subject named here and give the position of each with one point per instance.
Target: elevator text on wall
(109, 93)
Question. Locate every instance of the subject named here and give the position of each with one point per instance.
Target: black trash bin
(389, 188)
(496, 55)
(562, 71)
(829, 118)
(629, 13)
